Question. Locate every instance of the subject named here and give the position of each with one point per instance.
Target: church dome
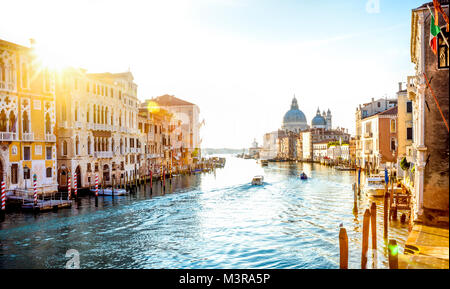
(294, 115)
(318, 120)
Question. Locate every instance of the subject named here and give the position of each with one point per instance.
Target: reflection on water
(215, 220)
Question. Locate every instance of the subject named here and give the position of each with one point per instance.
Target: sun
(50, 58)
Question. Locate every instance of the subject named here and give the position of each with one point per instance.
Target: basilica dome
(294, 120)
(318, 121)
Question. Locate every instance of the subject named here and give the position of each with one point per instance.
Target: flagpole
(440, 30)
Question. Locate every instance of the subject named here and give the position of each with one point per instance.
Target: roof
(390, 111)
(169, 100)
(12, 45)
(112, 75)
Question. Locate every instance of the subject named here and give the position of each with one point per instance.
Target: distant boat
(257, 180)
(264, 163)
(303, 176)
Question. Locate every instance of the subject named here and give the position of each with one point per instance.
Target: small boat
(257, 181)
(374, 187)
(303, 176)
(344, 168)
(109, 192)
(264, 163)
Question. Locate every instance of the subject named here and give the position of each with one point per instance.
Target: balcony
(8, 136)
(50, 137)
(103, 155)
(78, 124)
(368, 134)
(28, 136)
(90, 125)
(368, 151)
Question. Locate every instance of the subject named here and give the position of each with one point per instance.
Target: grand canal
(214, 220)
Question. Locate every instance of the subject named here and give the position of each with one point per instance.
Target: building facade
(430, 137)
(97, 127)
(27, 120)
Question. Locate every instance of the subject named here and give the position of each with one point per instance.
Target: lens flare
(153, 107)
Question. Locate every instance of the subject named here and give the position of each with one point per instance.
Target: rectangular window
(14, 169)
(409, 133)
(409, 106)
(88, 169)
(48, 153)
(26, 153)
(48, 172)
(443, 50)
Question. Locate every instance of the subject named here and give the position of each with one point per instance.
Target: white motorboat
(109, 192)
(257, 180)
(374, 187)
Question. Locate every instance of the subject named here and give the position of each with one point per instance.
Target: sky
(240, 61)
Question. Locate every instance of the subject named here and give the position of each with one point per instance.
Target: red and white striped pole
(3, 199)
(34, 189)
(75, 184)
(3, 196)
(69, 186)
(96, 185)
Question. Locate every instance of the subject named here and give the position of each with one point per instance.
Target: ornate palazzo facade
(27, 120)
(97, 127)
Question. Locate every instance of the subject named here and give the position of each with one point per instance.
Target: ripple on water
(206, 221)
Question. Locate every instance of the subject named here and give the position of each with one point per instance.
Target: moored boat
(374, 186)
(109, 192)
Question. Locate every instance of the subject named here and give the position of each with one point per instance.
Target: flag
(438, 8)
(434, 31)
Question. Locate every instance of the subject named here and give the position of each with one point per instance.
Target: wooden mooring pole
(393, 254)
(386, 213)
(343, 248)
(365, 238)
(373, 224)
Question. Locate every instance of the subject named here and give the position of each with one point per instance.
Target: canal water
(210, 220)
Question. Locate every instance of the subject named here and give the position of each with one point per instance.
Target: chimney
(373, 99)
(399, 86)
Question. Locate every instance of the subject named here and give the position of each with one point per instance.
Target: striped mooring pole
(69, 186)
(75, 185)
(2, 213)
(96, 190)
(34, 189)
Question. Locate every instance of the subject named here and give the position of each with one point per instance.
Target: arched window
(48, 124)
(25, 123)
(95, 114)
(12, 122)
(3, 121)
(89, 145)
(24, 75)
(76, 112)
(77, 146)
(87, 113)
(2, 71)
(63, 110)
(393, 126)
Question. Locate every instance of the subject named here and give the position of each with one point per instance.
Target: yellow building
(27, 120)
(405, 127)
